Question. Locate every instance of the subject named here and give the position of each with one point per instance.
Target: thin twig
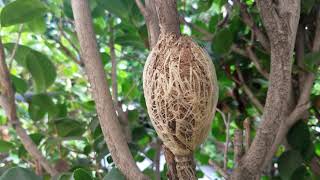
(227, 125)
(248, 91)
(253, 57)
(220, 170)
(15, 48)
(248, 20)
(142, 8)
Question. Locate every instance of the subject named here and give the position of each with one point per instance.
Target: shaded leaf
(19, 84)
(114, 174)
(81, 174)
(5, 146)
(69, 127)
(299, 136)
(288, 162)
(21, 11)
(39, 106)
(18, 173)
(222, 41)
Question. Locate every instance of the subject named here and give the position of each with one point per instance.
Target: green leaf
(5, 146)
(19, 84)
(38, 25)
(21, 11)
(41, 68)
(81, 174)
(114, 174)
(317, 148)
(119, 8)
(301, 173)
(202, 158)
(299, 136)
(204, 5)
(39, 105)
(312, 61)
(222, 41)
(18, 173)
(214, 22)
(42, 71)
(307, 5)
(288, 162)
(69, 127)
(64, 176)
(36, 138)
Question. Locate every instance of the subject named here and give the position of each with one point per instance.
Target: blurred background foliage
(56, 108)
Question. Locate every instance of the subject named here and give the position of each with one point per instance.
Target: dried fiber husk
(181, 92)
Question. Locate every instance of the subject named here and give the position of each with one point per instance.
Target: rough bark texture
(152, 23)
(168, 16)
(281, 21)
(7, 101)
(108, 119)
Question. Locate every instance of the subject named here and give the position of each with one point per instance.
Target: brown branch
(68, 53)
(276, 21)
(238, 146)
(226, 121)
(252, 56)
(168, 16)
(316, 40)
(248, 20)
(110, 126)
(152, 22)
(304, 100)
(207, 34)
(67, 38)
(220, 170)
(248, 91)
(114, 66)
(156, 160)
(246, 125)
(141, 8)
(7, 101)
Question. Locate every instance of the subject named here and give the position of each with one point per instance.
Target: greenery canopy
(55, 107)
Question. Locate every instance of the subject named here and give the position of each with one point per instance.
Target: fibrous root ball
(181, 92)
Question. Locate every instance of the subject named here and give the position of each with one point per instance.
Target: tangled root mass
(181, 91)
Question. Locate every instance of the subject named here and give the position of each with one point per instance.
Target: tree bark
(111, 128)
(7, 101)
(281, 21)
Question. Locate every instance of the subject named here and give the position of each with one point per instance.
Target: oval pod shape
(181, 92)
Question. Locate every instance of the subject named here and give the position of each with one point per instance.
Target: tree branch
(248, 20)
(281, 22)
(15, 48)
(220, 170)
(7, 101)
(238, 146)
(68, 53)
(304, 100)
(108, 119)
(246, 125)
(226, 121)
(141, 8)
(252, 56)
(248, 91)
